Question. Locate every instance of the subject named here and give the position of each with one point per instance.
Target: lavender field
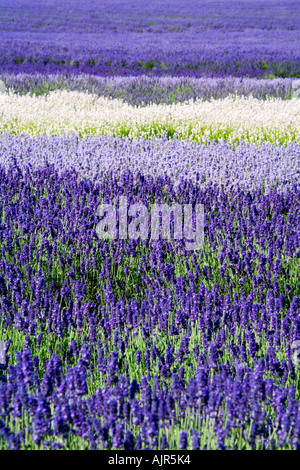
(142, 343)
(111, 37)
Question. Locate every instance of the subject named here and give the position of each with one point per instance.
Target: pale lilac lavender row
(244, 166)
(139, 90)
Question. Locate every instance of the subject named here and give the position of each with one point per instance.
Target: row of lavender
(144, 90)
(247, 167)
(134, 16)
(232, 119)
(65, 55)
(113, 38)
(135, 344)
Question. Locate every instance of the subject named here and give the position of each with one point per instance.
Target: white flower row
(232, 118)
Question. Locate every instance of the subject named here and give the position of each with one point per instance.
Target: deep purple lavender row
(267, 59)
(143, 90)
(251, 39)
(130, 344)
(245, 166)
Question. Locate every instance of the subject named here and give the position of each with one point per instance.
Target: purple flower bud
(138, 357)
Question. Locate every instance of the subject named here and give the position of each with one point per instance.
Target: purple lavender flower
(183, 440)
